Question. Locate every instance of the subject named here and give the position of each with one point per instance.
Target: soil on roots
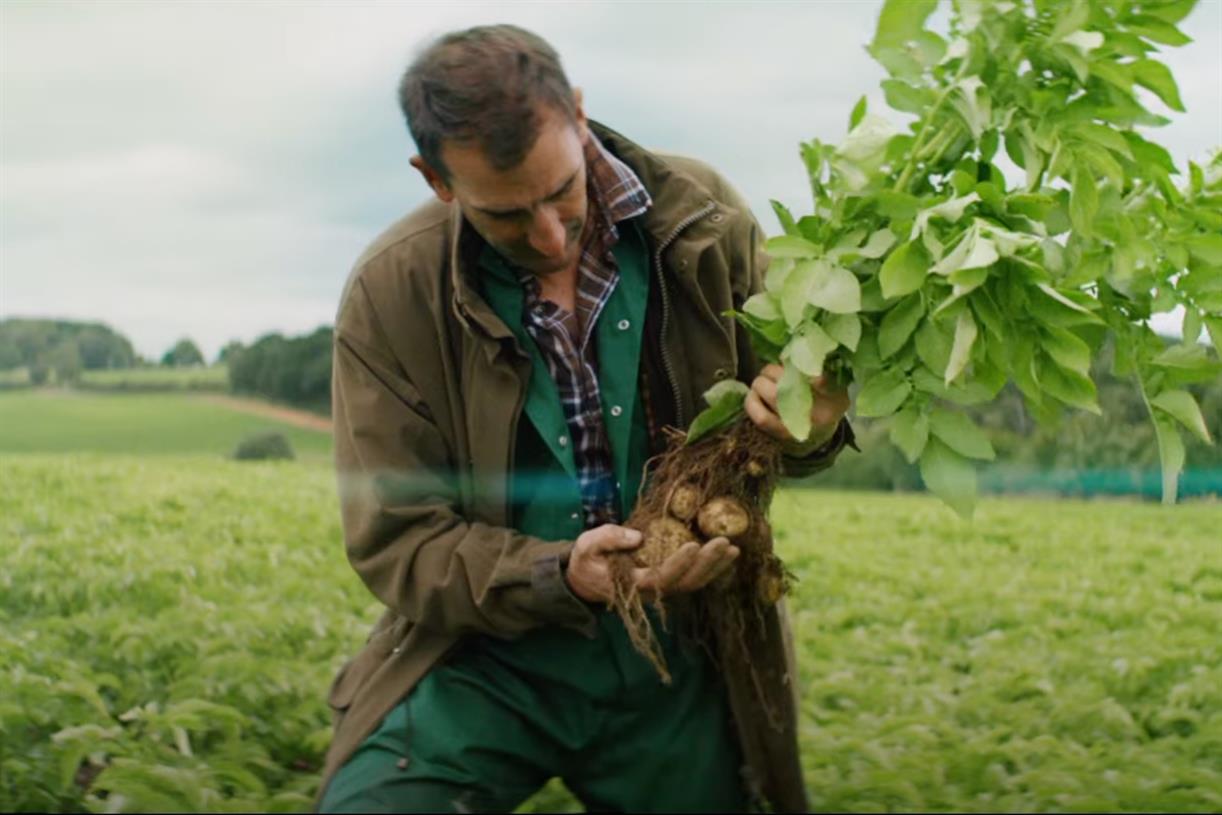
(740, 463)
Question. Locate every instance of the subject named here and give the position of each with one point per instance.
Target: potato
(723, 516)
(663, 537)
(770, 588)
(684, 501)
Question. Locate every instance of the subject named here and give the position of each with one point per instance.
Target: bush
(263, 446)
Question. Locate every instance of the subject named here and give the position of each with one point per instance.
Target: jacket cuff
(557, 602)
(820, 458)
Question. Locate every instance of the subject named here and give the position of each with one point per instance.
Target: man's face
(532, 214)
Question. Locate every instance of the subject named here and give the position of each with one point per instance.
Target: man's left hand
(830, 405)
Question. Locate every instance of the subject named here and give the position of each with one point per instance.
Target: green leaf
(1155, 77)
(794, 402)
(1183, 408)
(763, 306)
(791, 246)
(904, 270)
(784, 217)
(778, 272)
(933, 347)
(1083, 201)
(883, 393)
(1206, 248)
(973, 252)
(834, 288)
(725, 401)
(795, 291)
(1170, 12)
(808, 350)
(844, 329)
(958, 432)
(905, 97)
(900, 21)
(1184, 356)
(1171, 454)
(1068, 386)
(1073, 16)
(1214, 324)
(910, 432)
(879, 242)
(899, 323)
(1191, 327)
(1067, 348)
(971, 102)
(859, 110)
(950, 476)
(961, 350)
(767, 337)
(1161, 31)
(726, 389)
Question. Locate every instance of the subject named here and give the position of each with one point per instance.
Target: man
(505, 357)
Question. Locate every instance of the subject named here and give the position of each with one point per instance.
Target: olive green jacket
(428, 390)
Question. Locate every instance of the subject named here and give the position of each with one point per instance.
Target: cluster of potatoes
(718, 517)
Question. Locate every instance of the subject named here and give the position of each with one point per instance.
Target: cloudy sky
(212, 169)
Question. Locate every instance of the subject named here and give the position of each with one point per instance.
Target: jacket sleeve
(752, 268)
(399, 500)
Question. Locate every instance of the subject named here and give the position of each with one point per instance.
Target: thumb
(610, 538)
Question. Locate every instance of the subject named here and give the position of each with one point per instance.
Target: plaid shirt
(566, 339)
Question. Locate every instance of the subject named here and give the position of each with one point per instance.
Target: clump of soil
(720, 486)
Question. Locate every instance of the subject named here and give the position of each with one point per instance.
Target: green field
(172, 622)
(52, 421)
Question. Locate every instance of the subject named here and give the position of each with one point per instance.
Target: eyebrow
(559, 191)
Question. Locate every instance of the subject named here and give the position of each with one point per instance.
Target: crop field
(212, 377)
(169, 625)
(50, 421)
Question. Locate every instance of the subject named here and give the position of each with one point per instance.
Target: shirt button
(716, 218)
(564, 441)
(622, 325)
(616, 410)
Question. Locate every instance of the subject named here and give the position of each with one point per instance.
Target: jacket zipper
(667, 365)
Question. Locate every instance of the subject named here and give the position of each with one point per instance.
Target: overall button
(575, 516)
(622, 325)
(721, 373)
(564, 441)
(616, 410)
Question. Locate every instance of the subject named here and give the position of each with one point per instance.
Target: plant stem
(902, 183)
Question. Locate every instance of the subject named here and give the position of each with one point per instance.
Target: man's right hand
(690, 568)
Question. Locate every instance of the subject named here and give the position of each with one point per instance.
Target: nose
(547, 233)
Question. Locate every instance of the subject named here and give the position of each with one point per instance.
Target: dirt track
(297, 418)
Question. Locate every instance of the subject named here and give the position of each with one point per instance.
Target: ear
(433, 178)
(580, 115)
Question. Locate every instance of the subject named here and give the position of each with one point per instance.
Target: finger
(714, 557)
(611, 538)
(766, 389)
(772, 371)
(764, 418)
(663, 577)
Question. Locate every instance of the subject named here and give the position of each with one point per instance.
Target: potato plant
(931, 277)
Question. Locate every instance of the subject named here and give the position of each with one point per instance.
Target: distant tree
(65, 360)
(183, 354)
(231, 348)
(295, 370)
(33, 343)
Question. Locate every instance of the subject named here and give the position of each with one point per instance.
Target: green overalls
(497, 718)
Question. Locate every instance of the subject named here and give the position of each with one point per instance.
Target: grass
(173, 622)
(53, 421)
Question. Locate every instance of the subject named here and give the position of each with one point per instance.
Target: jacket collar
(677, 198)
